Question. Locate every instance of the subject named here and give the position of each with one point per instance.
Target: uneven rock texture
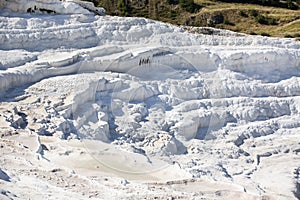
(105, 107)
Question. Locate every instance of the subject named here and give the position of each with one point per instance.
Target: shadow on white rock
(4, 176)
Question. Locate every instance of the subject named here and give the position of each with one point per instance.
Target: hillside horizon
(268, 18)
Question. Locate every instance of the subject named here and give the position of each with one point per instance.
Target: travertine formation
(105, 107)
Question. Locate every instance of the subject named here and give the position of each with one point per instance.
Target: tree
(189, 5)
(124, 7)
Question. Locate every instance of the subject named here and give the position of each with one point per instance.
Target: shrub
(215, 19)
(173, 2)
(173, 14)
(271, 21)
(288, 36)
(265, 34)
(261, 19)
(297, 35)
(227, 22)
(242, 13)
(291, 5)
(189, 5)
(265, 20)
(254, 13)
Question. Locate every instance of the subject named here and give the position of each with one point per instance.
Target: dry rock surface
(102, 107)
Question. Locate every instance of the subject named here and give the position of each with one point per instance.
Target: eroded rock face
(52, 7)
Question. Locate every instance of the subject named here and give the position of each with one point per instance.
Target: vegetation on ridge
(279, 18)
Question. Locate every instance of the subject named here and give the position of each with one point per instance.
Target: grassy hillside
(255, 18)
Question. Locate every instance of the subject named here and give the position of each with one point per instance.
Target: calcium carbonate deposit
(100, 107)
